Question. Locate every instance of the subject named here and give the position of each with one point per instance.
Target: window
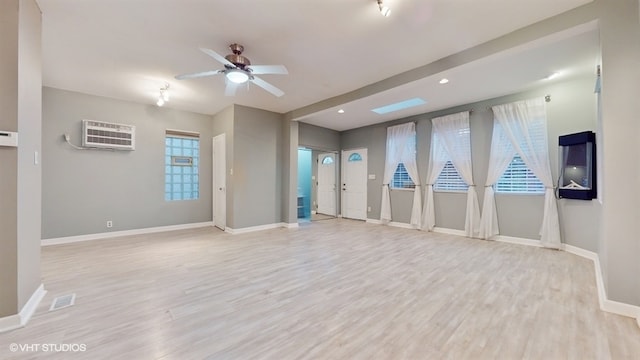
(450, 180)
(327, 160)
(401, 179)
(355, 157)
(518, 178)
(182, 153)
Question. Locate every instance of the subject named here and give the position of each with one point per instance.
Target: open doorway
(318, 172)
(304, 184)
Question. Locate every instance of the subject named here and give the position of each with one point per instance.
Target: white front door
(219, 182)
(354, 184)
(327, 184)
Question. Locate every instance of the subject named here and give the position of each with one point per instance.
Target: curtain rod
(547, 98)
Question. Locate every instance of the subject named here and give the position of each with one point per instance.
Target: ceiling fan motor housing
(236, 58)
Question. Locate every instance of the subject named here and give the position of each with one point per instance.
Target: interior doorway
(304, 184)
(318, 184)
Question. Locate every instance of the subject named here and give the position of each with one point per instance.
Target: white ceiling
(128, 49)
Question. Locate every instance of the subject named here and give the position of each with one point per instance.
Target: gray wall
(85, 188)
(290, 135)
(20, 178)
(258, 167)
(9, 158)
(619, 248)
(29, 150)
(319, 138)
(571, 110)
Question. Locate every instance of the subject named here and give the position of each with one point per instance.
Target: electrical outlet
(109, 223)
(368, 208)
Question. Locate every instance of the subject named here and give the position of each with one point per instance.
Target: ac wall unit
(99, 134)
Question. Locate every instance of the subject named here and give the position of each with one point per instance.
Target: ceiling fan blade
(217, 56)
(268, 69)
(197, 75)
(265, 85)
(231, 88)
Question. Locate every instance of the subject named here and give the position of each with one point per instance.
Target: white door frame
(219, 189)
(344, 164)
(319, 159)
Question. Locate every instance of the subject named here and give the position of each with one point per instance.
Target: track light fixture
(384, 10)
(164, 95)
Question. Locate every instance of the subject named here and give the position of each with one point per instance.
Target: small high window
(327, 160)
(355, 157)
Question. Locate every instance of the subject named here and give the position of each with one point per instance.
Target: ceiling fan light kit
(238, 70)
(237, 76)
(384, 10)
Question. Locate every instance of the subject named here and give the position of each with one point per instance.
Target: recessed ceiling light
(340, 111)
(444, 81)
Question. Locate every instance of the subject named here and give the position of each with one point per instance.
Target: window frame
(172, 170)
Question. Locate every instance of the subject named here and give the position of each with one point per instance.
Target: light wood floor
(334, 289)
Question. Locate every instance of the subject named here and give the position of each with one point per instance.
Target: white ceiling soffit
(128, 50)
(571, 53)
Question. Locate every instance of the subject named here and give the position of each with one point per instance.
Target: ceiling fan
(238, 70)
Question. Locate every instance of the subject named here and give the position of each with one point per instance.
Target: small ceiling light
(164, 95)
(164, 92)
(237, 76)
(384, 10)
(444, 81)
(340, 111)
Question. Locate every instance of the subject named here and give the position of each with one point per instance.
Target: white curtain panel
(401, 148)
(455, 137)
(499, 158)
(524, 123)
(437, 160)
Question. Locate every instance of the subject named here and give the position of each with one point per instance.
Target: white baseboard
(19, 320)
(517, 240)
(112, 234)
(392, 223)
(401, 225)
(261, 228)
(607, 305)
(449, 231)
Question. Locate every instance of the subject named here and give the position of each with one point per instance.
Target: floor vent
(63, 302)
